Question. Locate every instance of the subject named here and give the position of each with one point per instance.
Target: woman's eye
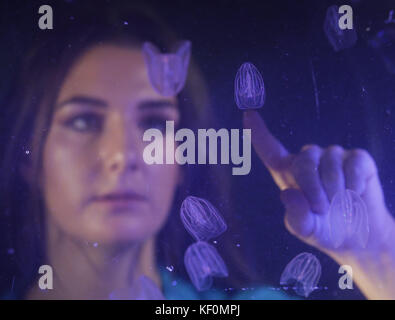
(86, 122)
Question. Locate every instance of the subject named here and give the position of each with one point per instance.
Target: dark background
(283, 39)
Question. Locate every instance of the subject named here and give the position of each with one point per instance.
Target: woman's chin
(118, 231)
(102, 226)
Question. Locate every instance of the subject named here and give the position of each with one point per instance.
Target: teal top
(178, 289)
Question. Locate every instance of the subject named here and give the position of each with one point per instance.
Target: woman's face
(96, 184)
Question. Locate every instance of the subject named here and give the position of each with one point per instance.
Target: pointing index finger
(269, 149)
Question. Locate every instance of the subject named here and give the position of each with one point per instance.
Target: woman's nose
(120, 149)
(121, 161)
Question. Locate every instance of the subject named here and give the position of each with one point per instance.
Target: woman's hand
(309, 180)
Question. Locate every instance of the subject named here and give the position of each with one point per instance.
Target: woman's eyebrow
(156, 104)
(94, 102)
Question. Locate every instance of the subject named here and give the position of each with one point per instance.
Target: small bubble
(170, 268)
(27, 151)
(238, 245)
(125, 23)
(174, 283)
(95, 244)
(11, 251)
(215, 241)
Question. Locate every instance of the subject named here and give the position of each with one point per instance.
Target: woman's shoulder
(179, 289)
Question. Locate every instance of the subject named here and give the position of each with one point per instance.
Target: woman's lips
(120, 194)
(121, 201)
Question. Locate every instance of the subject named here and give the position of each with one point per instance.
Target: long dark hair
(29, 113)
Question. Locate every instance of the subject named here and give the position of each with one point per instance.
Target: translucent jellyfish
(203, 262)
(201, 219)
(383, 43)
(249, 87)
(143, 289)
(390, 18)
(167, 71)
(348, 217)
(338, 38)
(302, 273)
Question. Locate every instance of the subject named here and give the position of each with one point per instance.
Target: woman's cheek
(63, 184)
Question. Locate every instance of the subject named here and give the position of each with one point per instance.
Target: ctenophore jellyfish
(203, 262)
(167, 71)
(348, 219)
(338, 38)
(302, 274)
(249, 87)
(383, 44)
(201, 219)
(143, 289)
(390, 18)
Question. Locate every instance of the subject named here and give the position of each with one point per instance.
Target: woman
(92, 100)
(86, 103)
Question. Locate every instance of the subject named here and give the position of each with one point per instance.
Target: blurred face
(95, 183)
